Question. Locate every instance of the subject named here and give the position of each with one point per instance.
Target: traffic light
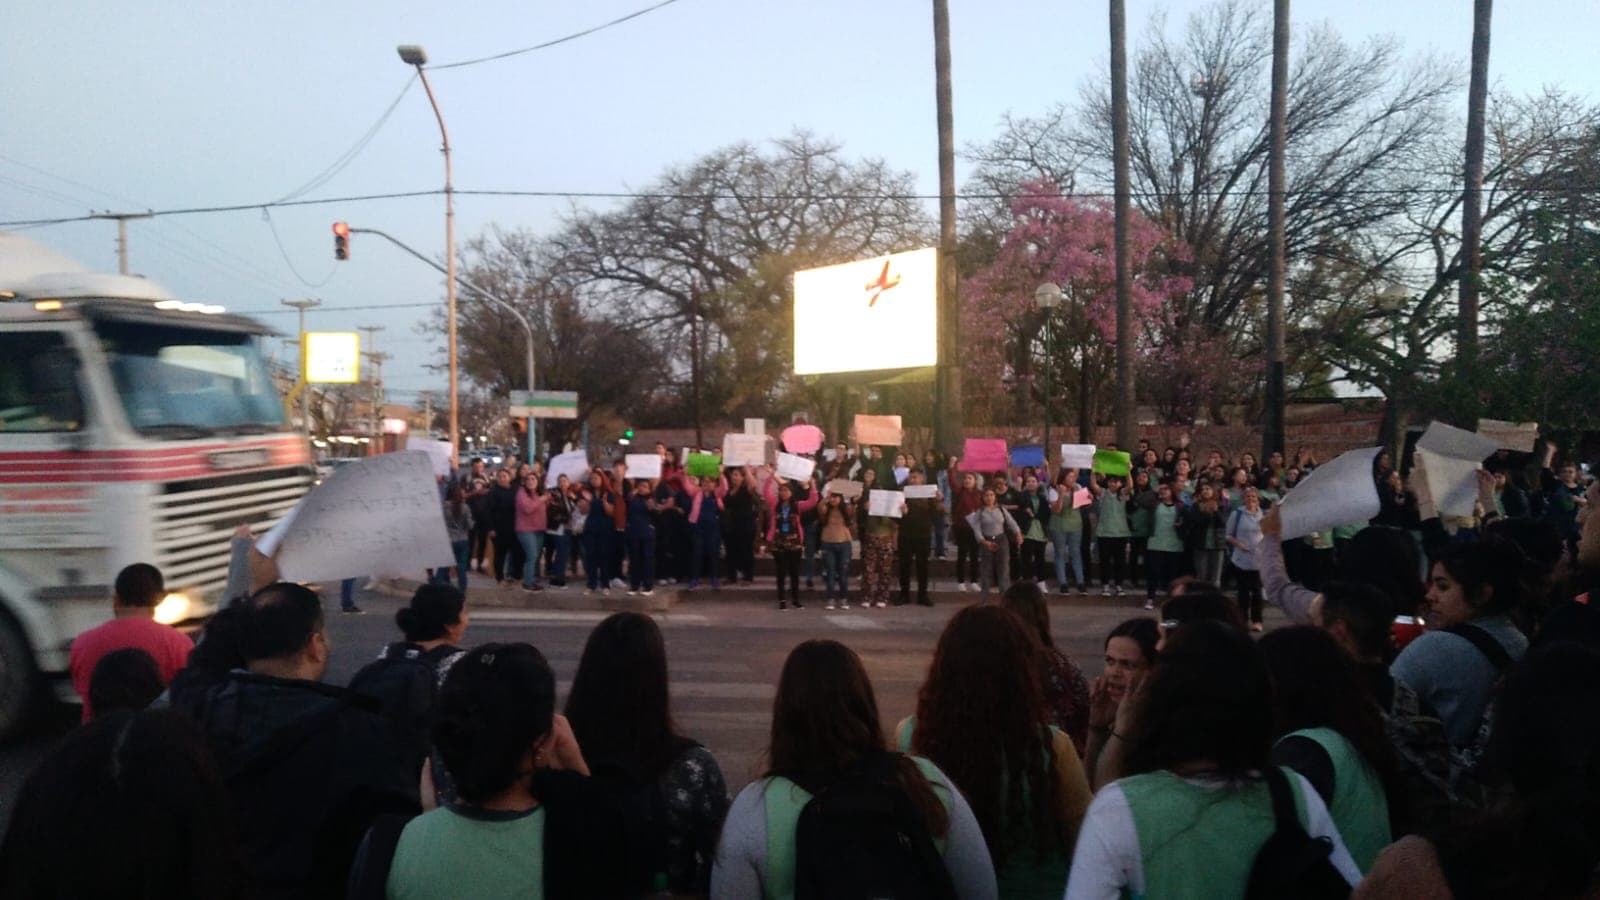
(628, 433)
(341, 240)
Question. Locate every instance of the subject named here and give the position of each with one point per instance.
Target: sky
(181, 104)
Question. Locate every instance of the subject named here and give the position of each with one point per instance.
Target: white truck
(134, 427)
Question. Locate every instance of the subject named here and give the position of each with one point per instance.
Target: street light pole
(300, 336)
(413, 55)
(1048, 297)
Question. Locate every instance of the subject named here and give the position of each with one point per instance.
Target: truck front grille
(195, 521)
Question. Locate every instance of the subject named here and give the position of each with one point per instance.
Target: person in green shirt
(1140, 509)
(1066, 530)
(1164, 553)
(510, 757)
(1112, 532)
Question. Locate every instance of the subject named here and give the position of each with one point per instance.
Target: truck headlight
(172, 609)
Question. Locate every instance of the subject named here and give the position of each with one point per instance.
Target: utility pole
(947, 410)
(1127, 398)
(427, 412)
(300, 337)
(1472, 197)
(1272, 436)
(122, 234)
(375, 382)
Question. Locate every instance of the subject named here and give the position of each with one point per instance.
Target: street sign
(545, 404)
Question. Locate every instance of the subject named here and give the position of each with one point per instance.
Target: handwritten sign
(796, 467)
(375, 516)
(1112, 462)
(704, 465)
(921, 491)
(438, 453)
(755, 426)
(879, 431)
(1338, 492)
(983, 455)
(643, 465)
(844, 487)
(885, 503)
(1028, 456)
(802, 438)
(1515, 436)
(1077, 456)
(574, 464)
(745, 449)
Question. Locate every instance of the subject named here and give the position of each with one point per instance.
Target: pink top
(168, 645)
(532, 511)
(800, 507)
(691, 486)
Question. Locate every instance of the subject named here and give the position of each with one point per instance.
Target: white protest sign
(643, 465)
(795, 467)
(744, 450)
(755, 426)
(438, 452)
(1337, 493)
(921, 491)
(1456, 443)
(376, 516)
(844, 487)
(1451, 484)
(1077, 456)
(574, 464)
(885, 503)
(1518, 436)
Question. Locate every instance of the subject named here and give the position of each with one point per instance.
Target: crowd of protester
(1421, 729)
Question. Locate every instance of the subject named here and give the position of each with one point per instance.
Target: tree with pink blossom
(1067, 241)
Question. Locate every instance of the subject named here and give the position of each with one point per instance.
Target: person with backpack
(529, 821)
(671, 786)
(1540, 835)
(405, 677)
(837, 815)
(981, 717)
(1330, 731)
(1199, 811)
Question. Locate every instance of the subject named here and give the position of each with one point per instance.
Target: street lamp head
(1048, 296)
(412, 55)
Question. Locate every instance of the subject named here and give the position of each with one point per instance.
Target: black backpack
(405, 682)
(1292, 863)
(645, 817)
(860, 838)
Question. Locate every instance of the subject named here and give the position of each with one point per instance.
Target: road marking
(571, 617)
(723, 690)
(854, 623)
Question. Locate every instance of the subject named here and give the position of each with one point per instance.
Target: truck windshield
(190, 381)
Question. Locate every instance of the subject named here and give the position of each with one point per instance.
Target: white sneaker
(844, 604)
(830, 605)
(605, 592)
(973, 587)
(1149, 604)
(961, 586)
(633, 593)
(618, 583)
(880, 604)
(588, 593)
(1105, 590)
(649, 593)
(1119, 590)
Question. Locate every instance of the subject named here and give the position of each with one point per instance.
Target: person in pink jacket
(533, 506)
(785, 535)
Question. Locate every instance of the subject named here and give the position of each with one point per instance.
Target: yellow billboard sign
(330, 357)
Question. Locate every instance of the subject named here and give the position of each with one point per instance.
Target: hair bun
(406, 618)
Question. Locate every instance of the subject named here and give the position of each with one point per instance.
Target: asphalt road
(725, 653)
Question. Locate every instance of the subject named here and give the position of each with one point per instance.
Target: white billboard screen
(330, 357)
(872, 314)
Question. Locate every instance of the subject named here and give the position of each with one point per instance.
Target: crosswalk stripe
(572, 617)
(854, 623)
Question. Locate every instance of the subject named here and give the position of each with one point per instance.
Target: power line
(241, 207)
(273, 226)
(279, 312)
(560, 40)
(349, 156)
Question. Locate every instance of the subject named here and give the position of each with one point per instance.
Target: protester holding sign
(916, 533)
(786, 537)
(878, 541)
(1066, 531)
(967, 500)
(706, 507)
(836, 520)
(740, 514)
(1112, 532)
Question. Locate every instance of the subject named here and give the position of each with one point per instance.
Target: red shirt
(169, 646)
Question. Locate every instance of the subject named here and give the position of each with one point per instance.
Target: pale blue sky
(181, 104)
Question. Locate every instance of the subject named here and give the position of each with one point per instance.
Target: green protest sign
(708, 465)
(1112, 462)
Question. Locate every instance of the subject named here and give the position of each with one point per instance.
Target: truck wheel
(19, 680)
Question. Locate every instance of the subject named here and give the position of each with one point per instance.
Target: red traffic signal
(341, 240)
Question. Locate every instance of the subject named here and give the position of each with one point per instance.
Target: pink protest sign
(1081, 498)
(802, 438)
(984, 455)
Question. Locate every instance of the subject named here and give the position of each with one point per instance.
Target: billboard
(868, 315)
(330, 357)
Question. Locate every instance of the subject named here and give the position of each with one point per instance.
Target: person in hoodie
(307, 766)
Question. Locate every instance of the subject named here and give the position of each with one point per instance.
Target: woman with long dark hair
(786, 537)
(458, 526)
(597, 502)
(1244, 536)
(1192, 807)
(621, 715)
(1066, 531)
(981, 717)
(740, 508)
(1130, 651)
(533, 517)
(825, 725)
(965, 501)
(1066, 693)
(1330, 731)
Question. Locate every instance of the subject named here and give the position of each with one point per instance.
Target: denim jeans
(836, 570)
(1068, 547)
(463, 552)
(347, 594)
(533, 552)
(557, 573)
(941, 533)
(813, 541)
(642, 561)
(594, 555)
(706, 554)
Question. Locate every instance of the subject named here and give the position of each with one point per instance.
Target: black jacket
(308, 768)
